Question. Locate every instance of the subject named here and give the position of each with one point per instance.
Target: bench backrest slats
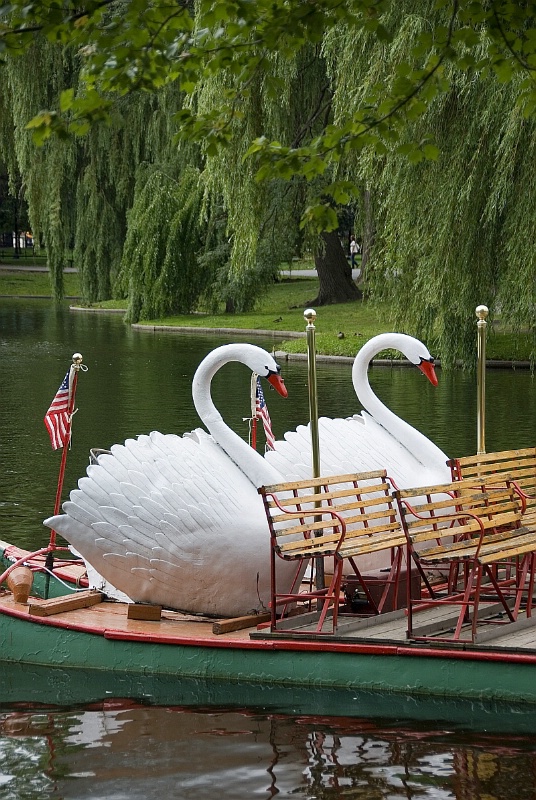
(323, 481)
(466, 513)
(303, 499)
(299, 517)
(492, 468)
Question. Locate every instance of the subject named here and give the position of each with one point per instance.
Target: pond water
(137, 382)
(125, 752)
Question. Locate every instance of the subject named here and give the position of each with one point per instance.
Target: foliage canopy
(128, 45)
(422, 117)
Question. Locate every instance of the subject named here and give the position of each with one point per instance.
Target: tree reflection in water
(119, 750)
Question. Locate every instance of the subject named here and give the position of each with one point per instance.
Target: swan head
(414, 351)
(261, 362)
(418, 354)
(258, 360)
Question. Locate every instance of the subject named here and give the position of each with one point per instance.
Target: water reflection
(128, 751)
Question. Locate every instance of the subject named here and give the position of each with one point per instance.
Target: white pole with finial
(310, 316)
(481, 313)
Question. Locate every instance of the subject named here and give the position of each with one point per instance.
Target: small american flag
(261, 412)
(57, 418)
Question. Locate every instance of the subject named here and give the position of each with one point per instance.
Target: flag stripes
(261, 412)
(57, 419)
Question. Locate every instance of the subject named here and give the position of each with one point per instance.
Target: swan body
(374, 439)
(177, 520)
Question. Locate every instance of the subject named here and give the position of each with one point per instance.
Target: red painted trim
(283, 644)
(254, 644)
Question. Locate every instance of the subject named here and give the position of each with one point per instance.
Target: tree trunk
(334, 273)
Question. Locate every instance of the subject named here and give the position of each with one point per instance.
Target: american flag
(261, 412)
(57, 418)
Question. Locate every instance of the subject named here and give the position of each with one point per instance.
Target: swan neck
(413, 440)
(248, 460)
(363, 390)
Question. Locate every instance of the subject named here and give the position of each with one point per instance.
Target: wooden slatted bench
(340, 517)
(477, 532)
(517, 465)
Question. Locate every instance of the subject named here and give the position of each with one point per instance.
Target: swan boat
(223, 653)
(168, 519)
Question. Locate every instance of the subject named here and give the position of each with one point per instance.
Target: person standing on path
(354, 250)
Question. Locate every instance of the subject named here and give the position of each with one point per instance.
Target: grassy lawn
(24, 260)
(340, 329)
(35, 284)
(281, 309)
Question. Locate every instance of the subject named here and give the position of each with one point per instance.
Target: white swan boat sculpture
(177, 521)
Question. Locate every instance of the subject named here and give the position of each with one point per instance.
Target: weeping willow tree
(79, 191)
(389, 97)
(159, 270)
(48, 175)
(106, 190)
(289, 100)
(242, 197)
(454, 231)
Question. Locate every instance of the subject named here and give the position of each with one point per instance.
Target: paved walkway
(287, 273)
(311, 273)
(30, 268)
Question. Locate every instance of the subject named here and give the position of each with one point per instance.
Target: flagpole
(51, 548)
(75, 368)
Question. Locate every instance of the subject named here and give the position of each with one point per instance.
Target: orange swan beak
(278, 383)
(427, 367)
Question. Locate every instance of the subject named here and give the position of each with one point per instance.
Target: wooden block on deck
(141, 611)
(238, 623)
(57, 605)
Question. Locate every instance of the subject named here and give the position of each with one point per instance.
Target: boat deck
(110, 620)
(385, 632)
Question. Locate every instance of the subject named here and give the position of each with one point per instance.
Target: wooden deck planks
(391, 629)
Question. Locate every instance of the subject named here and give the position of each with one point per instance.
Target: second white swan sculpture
(177, 521)
(374, 439)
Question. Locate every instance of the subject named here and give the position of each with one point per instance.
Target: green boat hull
(29, 642)
(318, 678)
(65, 687)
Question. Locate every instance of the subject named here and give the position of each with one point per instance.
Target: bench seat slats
(517, 541)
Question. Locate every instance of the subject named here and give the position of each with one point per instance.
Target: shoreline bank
(281, 354)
